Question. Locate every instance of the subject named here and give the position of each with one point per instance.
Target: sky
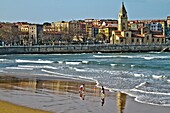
(40, 11)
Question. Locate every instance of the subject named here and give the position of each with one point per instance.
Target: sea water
(145, 76)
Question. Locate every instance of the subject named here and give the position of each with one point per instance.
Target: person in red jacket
(81, 91)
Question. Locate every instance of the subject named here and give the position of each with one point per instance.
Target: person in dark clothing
(102, 90)
(102, 94)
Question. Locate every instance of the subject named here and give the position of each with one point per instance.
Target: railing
(106, 48)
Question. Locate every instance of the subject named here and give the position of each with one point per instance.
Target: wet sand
(60, 95)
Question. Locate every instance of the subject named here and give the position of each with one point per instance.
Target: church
(142, 36)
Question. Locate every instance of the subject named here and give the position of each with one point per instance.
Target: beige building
(23, 29)
(33, 34)
(77, 30)
(135, 37)
(48, 27)
(168, 21)
(61, 26)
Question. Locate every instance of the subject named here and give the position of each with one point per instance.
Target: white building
(156, 26)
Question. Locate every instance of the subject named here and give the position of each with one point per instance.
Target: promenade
(61, 49)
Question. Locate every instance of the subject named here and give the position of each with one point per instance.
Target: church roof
(123, 10)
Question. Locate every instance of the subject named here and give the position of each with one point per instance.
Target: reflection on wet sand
(56, 86)
(121, 102)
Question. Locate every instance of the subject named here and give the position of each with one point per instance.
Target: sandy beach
(60, 95)
(7, 107)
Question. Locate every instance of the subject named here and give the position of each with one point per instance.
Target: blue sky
(39, 11)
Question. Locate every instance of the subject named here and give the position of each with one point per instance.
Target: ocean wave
(80, 70)
(89, 79)
(151, 103)
(148, 58)
(56, 73)
(155, 52)
(102, 56)
(85, 62)
(149, 92)
(132, 66)
(60, 62)
(1, 60)
(168, 81)
(6, 61)
(19, 68)
(1, 71)
(155, 57)
(34, 61)
(37, 67)
(113, 65)
(148, 99)
(158, 76)
(139, 75)
(142, 84)
(132, 56)
(73, 63)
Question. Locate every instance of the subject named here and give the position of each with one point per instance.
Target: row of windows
(156, 29)
(142, 40)
(156, 26)
(32, 27)
(153, 40)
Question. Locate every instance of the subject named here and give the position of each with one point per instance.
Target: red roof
(139, 35)
(120, 36)
(158, 36)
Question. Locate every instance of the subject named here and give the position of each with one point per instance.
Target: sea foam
(73, 63)
(34, 61)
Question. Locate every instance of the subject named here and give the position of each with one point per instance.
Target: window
(147, 37)
(137, 40)
(127, 35)
(142, 40)
(121, 40)
(158, 40)
(132, 40)
(152, 40)
(162, 40)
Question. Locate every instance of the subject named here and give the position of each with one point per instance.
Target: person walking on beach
(81, 91)
(102, 90)
(102, 95)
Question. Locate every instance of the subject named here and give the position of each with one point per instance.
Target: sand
(6, 107)
(61, 96)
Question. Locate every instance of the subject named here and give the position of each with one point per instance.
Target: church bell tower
(122, 19)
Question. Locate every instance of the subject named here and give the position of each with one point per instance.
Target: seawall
(110, 48)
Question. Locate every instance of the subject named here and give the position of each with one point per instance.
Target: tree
(9, 34)
(100, 37)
